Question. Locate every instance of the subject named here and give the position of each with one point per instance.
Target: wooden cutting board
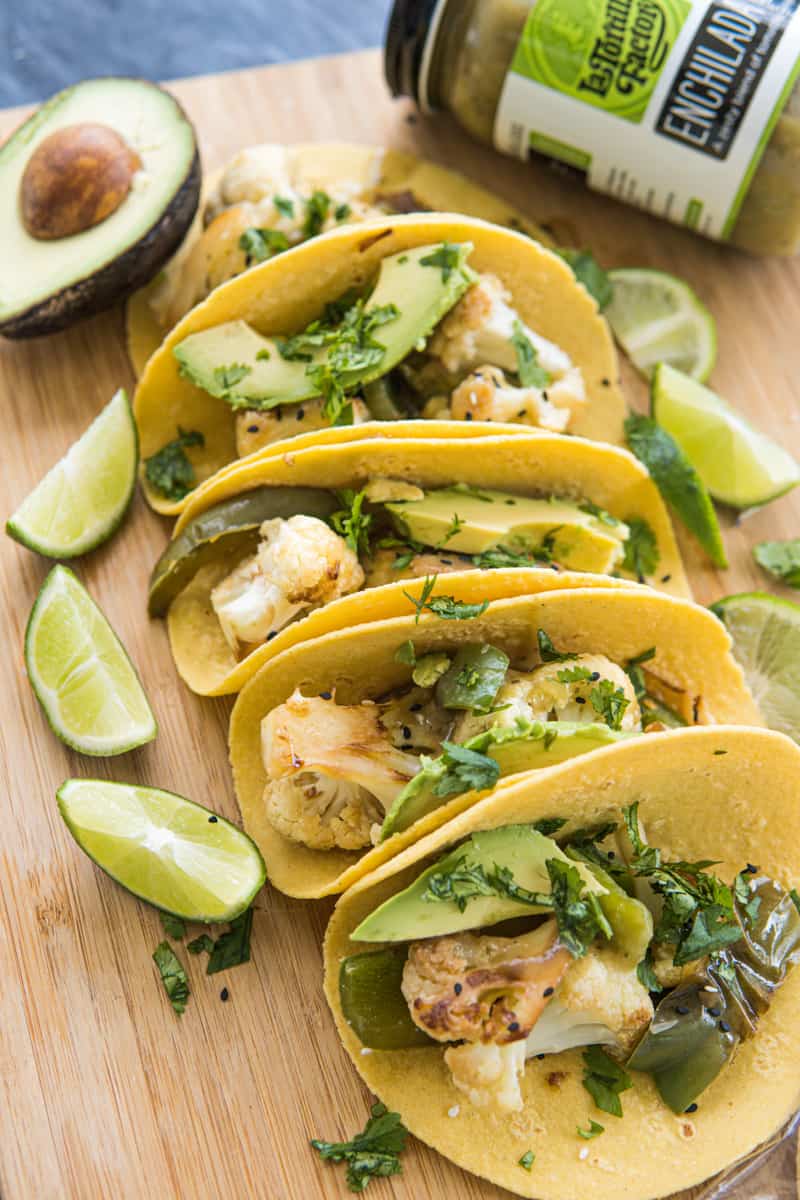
(103, 1091)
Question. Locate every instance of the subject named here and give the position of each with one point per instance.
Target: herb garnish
(260, 244)
(173, 927)
(531, 374)
(351, 522)
(573, 674)
(633, 669)
(604, 1079)
(169, 471)
(645, 973)
(466, 769)
(641, 549)
(342, 212)
(446, 256)
(527, 1160)
(372, 1154)
(588, 271)
(284, 205)
(231, 948)
(609, 702)
(547, 651)
(781, 559)
(594, 1130)
(317, 207)
(173, 976)
(504, 556)
(446, 607)
(228, 376)
(594, 510)
(201, 945)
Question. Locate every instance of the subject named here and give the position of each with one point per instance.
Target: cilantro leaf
(641, 556)
(594, 510)
(317, 207)
(579, 915)
(173, 927)
(260, 244)
(446, 607)
(405, 653)
(573, 674)
(466, 769)
(498, 557)
(230, 949)
(781, 559)
(531, 374)
(588, 271)
(342, 212)
(169, 471)
(447, 256)
(371, 1154)
(633, 669)
(594, 1130)
(547, 651)
(527, 1160)
(609, 702)
(173, 976)
(351, 522)
(645, 973)
(228, 376)
(200, 945)
(284, 205)
(604, 1080)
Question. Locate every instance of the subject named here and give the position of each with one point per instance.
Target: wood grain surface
(103, 1091)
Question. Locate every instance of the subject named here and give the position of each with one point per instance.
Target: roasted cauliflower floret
(480, 988)
(256, 429)
(600, 1001)
(415, 721)
(301, 564)
(511, 705)
(486, 395)
(381, 567)
(488, 1074)
(332, 771)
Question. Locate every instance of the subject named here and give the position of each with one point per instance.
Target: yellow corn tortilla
(368, 172)
(692, 652)
(540, 464)
(739, 806)
(284, 294)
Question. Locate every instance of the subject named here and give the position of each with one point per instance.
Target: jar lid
(410, 36)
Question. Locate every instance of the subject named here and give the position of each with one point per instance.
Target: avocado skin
(120, 277)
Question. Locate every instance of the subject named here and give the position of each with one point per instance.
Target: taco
(348, 747)
(419, 317)
(287, 547)
(604, 950)
(272, 197)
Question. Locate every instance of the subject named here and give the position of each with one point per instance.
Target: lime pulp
(658, 318)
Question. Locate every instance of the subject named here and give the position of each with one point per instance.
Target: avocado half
(97, 190)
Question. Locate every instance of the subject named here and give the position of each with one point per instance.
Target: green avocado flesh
(229, 528)
(542, 744)
(577, 538)
(407, 915)
(239, 365)
(159, 207)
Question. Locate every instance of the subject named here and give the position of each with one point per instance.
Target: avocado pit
(76, 178)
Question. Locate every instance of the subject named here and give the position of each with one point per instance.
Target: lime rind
(82, 500)
(657, 317)
(739, 465)
(81, 674)
(168, 851)
(765, 631)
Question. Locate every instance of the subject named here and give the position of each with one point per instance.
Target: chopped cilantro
(173, 927)
(641, 549)
(466, 769)
(317, 207)
(498, 557)
(604, 1079)
(351, 522)
(549, 825)
(794, 896)
(645, 973)
(260, 244)
(467, 489)
(228, 376)
(201, 945)
(455, 526)
(527, 1160)
(579, 915)
(169, 471)
(609, 702)
(372, 1154)
(231, 948)
(781, 559)
(594, 510)
(446, 607)
(531, 374)
(588, 271)
(342, 212)
(284, 205)
(446, 256)
(406, 654)
(573, 674)
(547, 651)
(743, 894)
(633, 669)
(173, 976)
(594, 1130)
(262, 355)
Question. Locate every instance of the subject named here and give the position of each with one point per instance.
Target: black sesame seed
(406, 745)
(606, 382)
(252, 429)
(467, 416)
(411, 118)
(692, 1108)
(326, 695)
(224, 994)
(595, 675)
(544, 395)
(540, 1057)
(548, 991)
(416, 707)
(682, 1010)
(724, 1026)
(271, 635)
(751, 870)
(666, 578)
(406, 733)
(580, 699)
(279, 413)
(301, 412)
(448, 562)
(213, 820)
(457, 989)
(555, 567)
(513, 1026)
(511, 502)
(715, 1012)
(612, 854)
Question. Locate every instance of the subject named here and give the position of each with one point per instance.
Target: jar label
(665, 104)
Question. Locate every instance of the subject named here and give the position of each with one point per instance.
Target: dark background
(45, 45)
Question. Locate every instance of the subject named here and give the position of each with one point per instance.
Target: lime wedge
(678, 482)
(80, 672)
(171, 852)
(83, 498)
(658, 318)
(738, 465)
(766, 644)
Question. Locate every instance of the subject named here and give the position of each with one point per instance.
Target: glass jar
(458, 55)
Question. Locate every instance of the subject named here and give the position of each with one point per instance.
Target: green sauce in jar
(457, 54)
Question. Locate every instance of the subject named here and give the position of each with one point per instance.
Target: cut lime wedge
(766, 643)
(83, 498)
(658, 318)
(80, 672)
(171, 852)
(738, 465)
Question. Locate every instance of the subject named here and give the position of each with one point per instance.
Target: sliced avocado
(235, 363)
(408, 915)
(580, 537)
(228, 528)
(97, 190)
(514, 748)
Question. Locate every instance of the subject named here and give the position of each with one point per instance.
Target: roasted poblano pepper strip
(473, 679)
(373, 1004)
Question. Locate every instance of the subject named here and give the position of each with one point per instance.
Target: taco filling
(427, 337)
(528, 940)
(349, 776)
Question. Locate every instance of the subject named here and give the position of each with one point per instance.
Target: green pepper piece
(687, 1044)
(654, 710)
(630, 920)
(473, 679)
(230, 529)
(373, 1004)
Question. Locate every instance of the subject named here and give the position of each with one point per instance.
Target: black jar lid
(409, 37)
